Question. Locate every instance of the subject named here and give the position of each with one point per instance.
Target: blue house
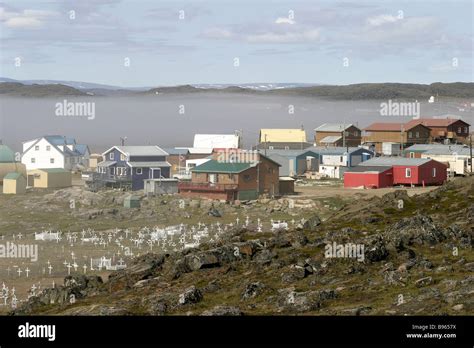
(128, 166)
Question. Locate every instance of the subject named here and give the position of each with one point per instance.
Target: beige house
(14, 184)
(94, 160)
(49, 178)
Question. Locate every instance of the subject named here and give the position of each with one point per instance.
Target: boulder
(312, 223)
(190, 295)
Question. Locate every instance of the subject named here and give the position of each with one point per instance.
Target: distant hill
(362, 91)
(21, 90)
(365, 91)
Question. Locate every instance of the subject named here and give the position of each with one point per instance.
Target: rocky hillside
(418, 260)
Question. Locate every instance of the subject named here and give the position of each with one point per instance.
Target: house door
(155, 173)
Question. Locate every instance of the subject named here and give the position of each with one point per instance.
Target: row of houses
(269, 168)
(444, 129)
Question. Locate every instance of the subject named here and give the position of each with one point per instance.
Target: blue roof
(59, 140)
(173, 151)
(81, 149)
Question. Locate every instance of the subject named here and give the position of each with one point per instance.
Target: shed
(161, 186)
(50, 178)
(14, 183)
(287, 185)
(131, 201)
(8, 163)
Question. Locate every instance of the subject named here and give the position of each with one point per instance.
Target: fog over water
(156, 119)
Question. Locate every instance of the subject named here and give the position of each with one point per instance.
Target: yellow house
(14, 184)
(283, 139)
(49, 178)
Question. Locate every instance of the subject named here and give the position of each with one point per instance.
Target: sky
(136, 43)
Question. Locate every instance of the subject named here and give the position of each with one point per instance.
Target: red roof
(433, 122)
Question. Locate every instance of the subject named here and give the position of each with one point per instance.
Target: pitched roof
(12, 176)
(59, 140)
(149, 164)
(228, 141)
(364, 169)
(394, 161)
(449, 150)
(290, 135)
(332, 127)
(81, 149)
(440, 148)
(214, 166)
(6, 154)
(147, 150)
(173, 151)
(433, 122)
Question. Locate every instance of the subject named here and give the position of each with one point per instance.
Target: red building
(388, 171)
(369, 177)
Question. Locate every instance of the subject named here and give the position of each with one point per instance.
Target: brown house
(177, 158)
(378, 133)
(455, 130)
(332, 134)
(233, 174)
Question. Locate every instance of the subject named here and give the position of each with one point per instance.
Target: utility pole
(265, 144)
(470, 151)
(401, 137)
(344, 134)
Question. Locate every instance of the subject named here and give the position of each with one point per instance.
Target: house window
(412, 155)
(139, 171)
(48, 148)
(33, 160)
(37, 148)
(231, 176)
(465, 130)
(340, 159)
(356, 133)
(121, 171)
(112, 171)
(410, 134)
(434, 172)
(270, 147)
(247, 178)
(459, 130)
(122, 157)
(111, 156)
(417, 134)
(408, 173)
(51, 160)
(287, 147)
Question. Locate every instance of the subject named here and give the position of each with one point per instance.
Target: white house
(54, 151)
(217, 141)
